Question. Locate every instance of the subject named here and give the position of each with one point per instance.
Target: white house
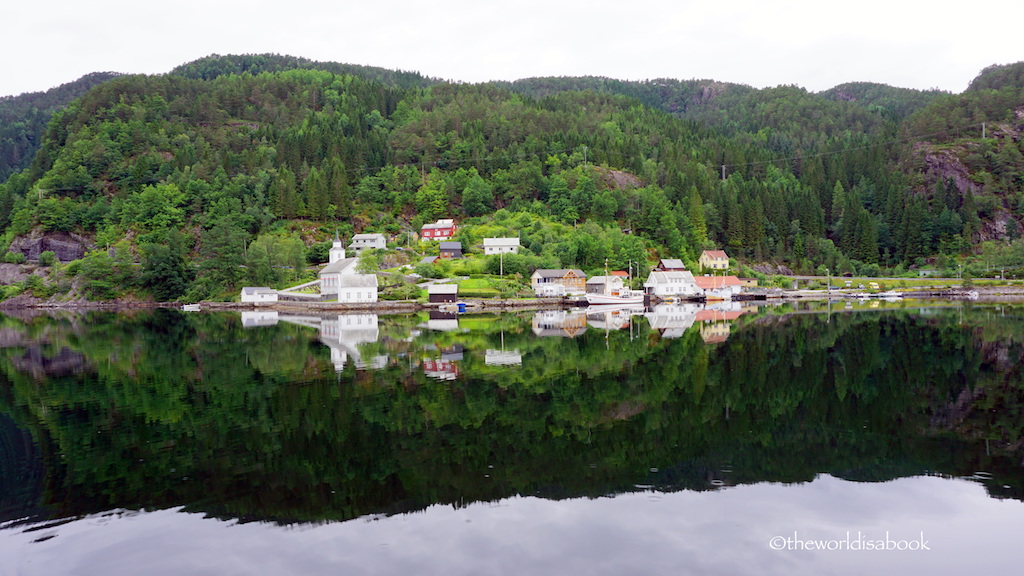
(501, 245)
(357, 288)
(363, 241)
(605, 284)
(260, 295)
(672, 283)
(339, 280)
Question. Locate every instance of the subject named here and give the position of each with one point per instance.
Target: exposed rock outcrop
(65, 245)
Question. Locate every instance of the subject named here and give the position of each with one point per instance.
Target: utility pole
(723, 171)
(983, 130)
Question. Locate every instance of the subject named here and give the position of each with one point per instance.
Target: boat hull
(610, 299)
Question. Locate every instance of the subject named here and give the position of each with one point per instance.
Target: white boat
(613, 290)
(191, 308)
(718, 294)
(617, 297)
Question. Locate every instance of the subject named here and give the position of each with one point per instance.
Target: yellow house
(713, 260)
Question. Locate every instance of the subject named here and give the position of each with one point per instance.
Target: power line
(850, 149)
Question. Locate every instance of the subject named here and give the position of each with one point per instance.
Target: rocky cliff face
(66, 246)
(936, 164)
(943, 164)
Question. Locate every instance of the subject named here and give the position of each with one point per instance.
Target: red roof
(712, 282)
(619, 273)
(717, 315)
(716, 254)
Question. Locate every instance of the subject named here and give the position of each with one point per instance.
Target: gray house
(362, 241)
(451, 249)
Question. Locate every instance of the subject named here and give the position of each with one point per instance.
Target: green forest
(164, 183)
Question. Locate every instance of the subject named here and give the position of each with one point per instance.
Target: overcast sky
(809, 43)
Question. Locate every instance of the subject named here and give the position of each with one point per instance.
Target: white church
(339, 280)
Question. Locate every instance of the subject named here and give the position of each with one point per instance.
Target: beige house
(713, 260)
(554, 282)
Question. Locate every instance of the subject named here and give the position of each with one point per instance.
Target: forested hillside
(23, 119)
(186, 172)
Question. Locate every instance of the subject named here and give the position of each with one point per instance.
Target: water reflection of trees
(171, 409)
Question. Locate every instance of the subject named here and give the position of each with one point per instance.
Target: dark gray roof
(451, 245)
(338, 266)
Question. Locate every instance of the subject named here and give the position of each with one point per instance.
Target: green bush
(10, 291)
(48, 258)
(429, 271)
(400, 292)
(14, 258)
(39, 287)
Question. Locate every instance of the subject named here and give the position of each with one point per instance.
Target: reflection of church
(342, 334)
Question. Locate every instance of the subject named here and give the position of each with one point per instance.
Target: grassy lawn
(475, 284)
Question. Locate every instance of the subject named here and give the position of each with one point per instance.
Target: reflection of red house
(440, 230)
(717, 315)
(715, 325)
(440, 369)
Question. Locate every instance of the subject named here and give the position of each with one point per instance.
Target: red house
(440, 230)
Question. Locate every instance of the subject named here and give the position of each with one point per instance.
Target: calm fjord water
(728, 440)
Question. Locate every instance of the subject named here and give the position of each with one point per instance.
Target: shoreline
(981, 293)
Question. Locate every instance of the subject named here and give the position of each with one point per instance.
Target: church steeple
(337, 251)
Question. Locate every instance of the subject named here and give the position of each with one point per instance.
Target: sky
(808, 43)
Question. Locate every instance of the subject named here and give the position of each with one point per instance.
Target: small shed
(259, 295)
(443, 292)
